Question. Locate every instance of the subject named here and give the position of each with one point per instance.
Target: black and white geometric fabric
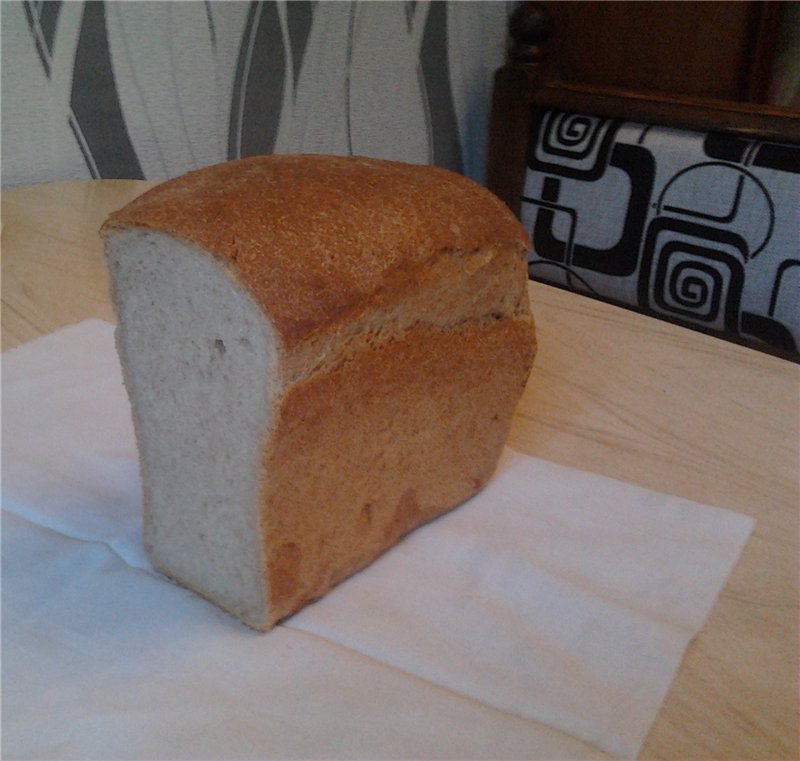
(702, 229)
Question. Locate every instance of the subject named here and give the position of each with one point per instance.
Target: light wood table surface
(612, 392)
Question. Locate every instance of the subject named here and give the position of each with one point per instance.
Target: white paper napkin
(545, 618)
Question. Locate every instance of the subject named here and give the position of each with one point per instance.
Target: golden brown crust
(319, 239)
(398, 435)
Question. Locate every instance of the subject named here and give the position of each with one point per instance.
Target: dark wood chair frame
(527, 81)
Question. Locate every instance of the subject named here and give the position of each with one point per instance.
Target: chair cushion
(697, 228)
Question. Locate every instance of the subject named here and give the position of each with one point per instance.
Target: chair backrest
(686, 210)
(698, 227)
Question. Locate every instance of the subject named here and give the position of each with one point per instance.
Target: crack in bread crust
(455, 289)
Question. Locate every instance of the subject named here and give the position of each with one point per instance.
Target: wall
(151, 90)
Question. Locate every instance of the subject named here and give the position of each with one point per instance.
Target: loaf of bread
(321, 354)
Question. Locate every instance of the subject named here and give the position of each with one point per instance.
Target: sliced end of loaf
(199, 364)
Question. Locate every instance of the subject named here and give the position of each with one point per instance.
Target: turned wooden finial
(530, 27)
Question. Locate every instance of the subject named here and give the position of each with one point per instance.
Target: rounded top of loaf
(317, 238)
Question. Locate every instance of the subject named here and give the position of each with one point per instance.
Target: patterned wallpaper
(153, 89)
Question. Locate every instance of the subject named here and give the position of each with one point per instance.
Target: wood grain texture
(519, 87)
(682, 112)
(52, 265)
(612, 391)
(723, 49)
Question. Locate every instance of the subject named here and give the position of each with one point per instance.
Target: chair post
(530, 28)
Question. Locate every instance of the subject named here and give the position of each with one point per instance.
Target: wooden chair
(683, 208)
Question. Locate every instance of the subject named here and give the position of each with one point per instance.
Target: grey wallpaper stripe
(436, 75)
(348, 68)
(48, 18)
(42, 21)
(258, 88)
(97, 114)
(210, 19)
(300, 16)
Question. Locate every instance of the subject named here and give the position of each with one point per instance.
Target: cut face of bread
(294, 424)
(200, 364)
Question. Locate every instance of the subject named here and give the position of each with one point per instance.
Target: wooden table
(613, 392)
